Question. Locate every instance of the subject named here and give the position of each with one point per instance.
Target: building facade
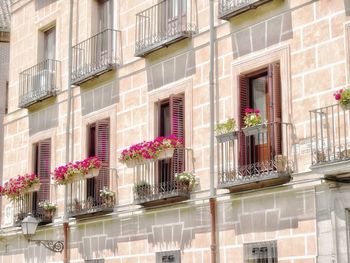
(140, 69)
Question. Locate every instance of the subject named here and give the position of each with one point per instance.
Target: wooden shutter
(44, 167)
(177, 115)
(243, 87)
(275, 108)
(102, 152)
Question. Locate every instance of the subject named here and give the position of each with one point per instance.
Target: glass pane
(259, 96)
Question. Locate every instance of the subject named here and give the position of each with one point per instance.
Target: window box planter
(33, 188)
(92, 173)
(166, 154)
(230, 136)
(255, 130)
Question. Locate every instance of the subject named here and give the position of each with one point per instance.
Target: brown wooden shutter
(177, 117)
(243, 87)
(275, 108)
(44, 167)
(102, 152)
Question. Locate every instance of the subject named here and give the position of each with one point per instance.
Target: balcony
(164, 23)
(155, 183)
(256, 157)
(96, 56)
(85, 198)
(28, 203)
(330, 142)
(39, 82)
(231, 8)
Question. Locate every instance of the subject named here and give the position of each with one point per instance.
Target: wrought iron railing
(330, 135)
(256, 153)
(96, 55)
(230, 8)
(39, 82)
(164, 23)
(85, 196)
(155, 180)
(28, 203)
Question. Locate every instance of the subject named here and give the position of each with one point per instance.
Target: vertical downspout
(212, 199)
(69, 106)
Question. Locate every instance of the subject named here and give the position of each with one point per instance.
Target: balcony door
(98, 145)
(42, 168)
(261, 90)
(50, 44)
(171, 122)
(175, 16)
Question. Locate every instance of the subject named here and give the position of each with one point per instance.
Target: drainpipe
(212, 199)
(69, 106)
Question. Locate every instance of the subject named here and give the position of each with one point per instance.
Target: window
(168, 256)
(261, 252)
(98, 145)
(50, 43)
(171, 122)
(42, 167)
(261, 90)
(94, 260)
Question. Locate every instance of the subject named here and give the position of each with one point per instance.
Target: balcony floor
(337, 170)
(274, 178)
(158, 45)
(162, 198)
(96, 211)
(93, 74)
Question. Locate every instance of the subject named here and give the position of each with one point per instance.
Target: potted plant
(253, 122)
(158, 149)
(49, 209)
(226, 131)
(108, 197)
(22, 184)
(90, 167)
(185, 181)
(343, 98)
(142, 189)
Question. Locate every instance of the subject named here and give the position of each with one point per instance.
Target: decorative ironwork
(230, 8)
(263, 156)
(330, 140)
(164, 23)
(96, 55)
(39, 82)
(53, 245)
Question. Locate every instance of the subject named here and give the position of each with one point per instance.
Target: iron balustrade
(39, 82)
(28, 204)
(96, 55)
(84, 196)
(155, 179)
(164, 23)
(329, 131)
(230, 8)
(256, 153)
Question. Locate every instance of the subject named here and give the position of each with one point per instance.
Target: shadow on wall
(94, 99)
(43, 119)
(173, 69)
(42, 3)
(164, 230)
(267, 214)
(261, 35)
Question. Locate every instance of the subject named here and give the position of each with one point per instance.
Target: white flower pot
(166, 154)
(92, 173)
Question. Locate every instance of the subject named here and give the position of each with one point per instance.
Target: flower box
(166, 154)
(255, 130)
(93, 172)
(226, 137)
(34, 188)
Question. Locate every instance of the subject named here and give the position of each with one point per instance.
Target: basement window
(168, 257)
(261, 252)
